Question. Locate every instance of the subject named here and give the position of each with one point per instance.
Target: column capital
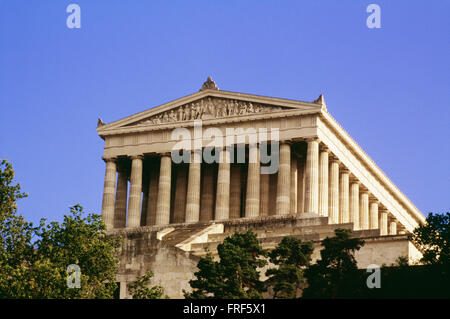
(141, 157)
(312, 139)
(165, 154)
(324, 148)
(107, 159)
(344, 170)
(288, 142)
(333, 159)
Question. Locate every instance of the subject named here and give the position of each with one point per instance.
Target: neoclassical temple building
(168, 212)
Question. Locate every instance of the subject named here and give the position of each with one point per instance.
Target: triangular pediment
(210, 104)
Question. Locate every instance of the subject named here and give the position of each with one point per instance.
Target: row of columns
(320, 184)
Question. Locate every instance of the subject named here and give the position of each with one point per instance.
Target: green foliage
(433, 239)
(236, 273)
(336, 274)
(140, 289)
(34, 260)
(291, 256)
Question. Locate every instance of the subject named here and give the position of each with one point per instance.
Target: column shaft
(383, 223)
(109, 190)
(152, 194)
(163, 201)
(344, 214)
(134, 203)
(392, 227)
(283, 203)
(312, 177)
(300, 185)
(294, 187)
(180, 195)
(333, 193)
(223, 187)
(120, 209)
(264, 195)
(207, 196)
(235, 191)
(323, 183)
(193, 188)
(253, 183)
(354, 205)
(373, 215)
(364, 210)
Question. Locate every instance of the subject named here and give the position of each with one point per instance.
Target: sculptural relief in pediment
(209, 108)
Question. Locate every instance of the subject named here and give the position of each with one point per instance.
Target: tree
(235, 275)
(433, 239)
(336, 274)
(291, 256)
(34, 260)
(140, 289)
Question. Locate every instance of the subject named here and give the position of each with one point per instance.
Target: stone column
(180, 195)
(300, 185)
(333, 193)
(144, 203)
(383, 222)
(193, 188)
(354, 204)
(120, 209)
(373, 215)
(264, 195)
(134, 203)
(392, 227)
(312, 177)
(223, 187)
(323, 181)
(163, 201)
(152, 194)
(294, 187)
(207, 196)
(109, 190)
(235, 191)
(344, 214)
(252, 198)
(283, 202)
(364, 209)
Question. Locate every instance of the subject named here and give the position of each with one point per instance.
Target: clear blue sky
(389, 87)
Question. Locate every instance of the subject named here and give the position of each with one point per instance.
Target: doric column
(383, 222)
(223, 187)
(283, 203)
(153, 193)
(264, 195)
(163, 201)
(193, 188)
(207, 196)
(144, 206)
(344, 214)
(323, 181)
(120, 209)
(333, 192)
(294, 187)
(235, 191)
(364, 209)
(392, 227)
(179, 205)
(354, 204)
(312, 177)
(109, 190)
(373, 215)
(300, 184)
(252, 198)
(134, 203)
